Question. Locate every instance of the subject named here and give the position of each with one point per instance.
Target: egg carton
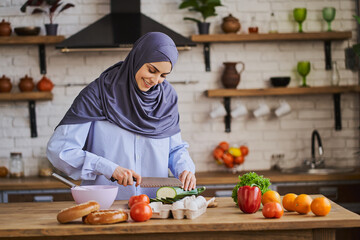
(161, 210)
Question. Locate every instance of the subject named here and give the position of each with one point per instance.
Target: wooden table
(38, 221)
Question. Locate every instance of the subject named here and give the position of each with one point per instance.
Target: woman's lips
(147, 84)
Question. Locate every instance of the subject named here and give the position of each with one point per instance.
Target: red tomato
(239, 160)
(244, 150)
(137, 199)
(140, 212)
(272, 210)
(228, 160)
(218, 153)
(224, 146)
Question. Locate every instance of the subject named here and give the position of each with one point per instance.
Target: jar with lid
(16, 165)
(273, 25)
(253, 28)
(335, 75)
(45, 167)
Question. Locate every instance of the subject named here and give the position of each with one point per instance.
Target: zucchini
(177, 193)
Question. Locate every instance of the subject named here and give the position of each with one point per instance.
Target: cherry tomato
(244, 150)
(224, 146)
(140, 212)
(218, 153)
(239, 160)
(228, 160)
(272, 210)
(140, 198)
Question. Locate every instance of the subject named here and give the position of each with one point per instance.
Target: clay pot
(230, 24)
(231, 77)
(5, 84)
(26, 84)
(5, 28)
(45, 85)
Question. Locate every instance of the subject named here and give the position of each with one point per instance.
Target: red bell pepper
(249, 199)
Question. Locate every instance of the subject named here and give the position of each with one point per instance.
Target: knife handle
(115, 180)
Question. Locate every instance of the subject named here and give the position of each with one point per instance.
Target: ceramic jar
(45, 85)
(231, 77)
(5, 28)
(26, 84)
(230, 24)
(5, 84)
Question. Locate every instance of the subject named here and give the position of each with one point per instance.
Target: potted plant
(205, 7)
(52, 8)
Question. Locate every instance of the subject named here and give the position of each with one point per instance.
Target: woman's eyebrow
(157, 69)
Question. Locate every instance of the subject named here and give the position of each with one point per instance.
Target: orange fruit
(320, 206)
(302, 203)
(270, 196)
(239, 160)
(218, 153)
(288, 202)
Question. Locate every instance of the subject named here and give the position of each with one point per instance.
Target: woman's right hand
(125, 176)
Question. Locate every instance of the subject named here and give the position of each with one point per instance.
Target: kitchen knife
(148, 182)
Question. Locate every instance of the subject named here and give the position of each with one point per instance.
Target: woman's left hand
(188, 180)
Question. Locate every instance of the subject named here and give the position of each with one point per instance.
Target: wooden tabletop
(203, 178)
(39, 220)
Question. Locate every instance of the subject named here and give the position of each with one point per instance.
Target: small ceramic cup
(239, 111)
(283, 109)
(262, 110)
(220, 111)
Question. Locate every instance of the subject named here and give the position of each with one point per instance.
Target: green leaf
(188, 3)
(356, 48)
(192, 19)
(357, 18)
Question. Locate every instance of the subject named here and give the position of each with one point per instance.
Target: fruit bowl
(230, 155)
(103, 194)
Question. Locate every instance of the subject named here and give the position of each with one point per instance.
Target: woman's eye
(151, 71)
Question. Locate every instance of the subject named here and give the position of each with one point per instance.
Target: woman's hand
(188, 179)
(125, 176)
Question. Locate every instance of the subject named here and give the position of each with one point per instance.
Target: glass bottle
(253, 28)
(335, 76)
(16, 165)
(273, 25)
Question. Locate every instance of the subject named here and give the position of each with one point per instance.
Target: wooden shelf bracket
(327, 48)
(337, 111)
(227, 119)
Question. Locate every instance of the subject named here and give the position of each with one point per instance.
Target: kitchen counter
(203, 178)
(38, 220)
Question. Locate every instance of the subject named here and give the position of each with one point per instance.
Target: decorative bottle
(16, 165)
(253, 28)
(273, 25)
(335, 76)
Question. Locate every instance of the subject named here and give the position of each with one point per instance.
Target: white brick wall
(289, 135)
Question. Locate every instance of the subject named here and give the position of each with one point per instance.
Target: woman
(125, 124)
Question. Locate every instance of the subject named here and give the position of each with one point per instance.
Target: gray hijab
(115, 96)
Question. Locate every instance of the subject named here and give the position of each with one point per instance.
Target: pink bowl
(103, 194)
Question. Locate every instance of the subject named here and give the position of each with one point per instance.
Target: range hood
(119, 30)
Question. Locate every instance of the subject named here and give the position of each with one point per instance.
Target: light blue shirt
(113, 146)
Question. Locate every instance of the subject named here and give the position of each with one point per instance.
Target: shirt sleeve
(65, 152)
(179, 157)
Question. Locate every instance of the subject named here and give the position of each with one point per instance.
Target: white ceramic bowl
(103, 194)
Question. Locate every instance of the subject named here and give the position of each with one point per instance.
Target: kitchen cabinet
(38, 221)
(31, 97)
(327, 37)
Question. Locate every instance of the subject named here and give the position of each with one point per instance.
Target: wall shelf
(33, 40)
(31, 97)
(327, 37)
(336, 91)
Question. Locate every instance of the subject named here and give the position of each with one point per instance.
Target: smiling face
(151, 74)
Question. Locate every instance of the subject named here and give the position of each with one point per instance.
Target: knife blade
(148, 182)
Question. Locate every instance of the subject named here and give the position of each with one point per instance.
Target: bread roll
(77, 211)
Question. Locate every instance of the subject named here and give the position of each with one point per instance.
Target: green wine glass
(303, 68)
(300, 16)
(329, 15)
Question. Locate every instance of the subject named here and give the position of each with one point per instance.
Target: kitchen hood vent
(119, 30)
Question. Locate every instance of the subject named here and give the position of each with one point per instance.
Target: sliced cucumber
(177, 193)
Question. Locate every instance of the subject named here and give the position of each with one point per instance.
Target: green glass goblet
(300, 16)
(303, 68)
(329, 15)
